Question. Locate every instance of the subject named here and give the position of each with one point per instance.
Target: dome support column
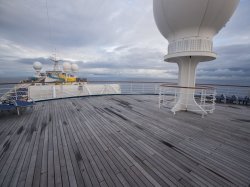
(187, 73)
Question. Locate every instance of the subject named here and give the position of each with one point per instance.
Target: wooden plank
(87, 171)
(146, 168)
(10, 141)
(119, 159)
(86, 149)
(38, 167)
(124, 141)
(14, 162)
(63, 168)
(151, 179)
(105, 165)
(15, 177)
(70, 170)
(132, 174)
(125, 171)
(27, 136)
(44, 168)
(76, 159)
(56, 158)
(32, 165)
(51, 170)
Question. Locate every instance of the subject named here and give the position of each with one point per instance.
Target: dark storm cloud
(235, 50)
(233, 62)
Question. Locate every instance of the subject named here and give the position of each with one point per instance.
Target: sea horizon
(142, 79)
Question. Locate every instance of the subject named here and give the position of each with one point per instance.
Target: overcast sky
(109, 38)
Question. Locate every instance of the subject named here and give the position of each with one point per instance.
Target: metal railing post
(160, 98)
(16, 92)
(54, 92)
(175, 95)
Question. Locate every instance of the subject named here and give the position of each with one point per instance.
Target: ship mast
(56, 62)
(53, 58)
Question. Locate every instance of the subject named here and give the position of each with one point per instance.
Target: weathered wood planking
(124, 141)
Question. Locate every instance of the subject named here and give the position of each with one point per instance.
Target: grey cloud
(233, 62)
(135, 59)
(120, 48)
(70, 24)
(109, 37)
(30, 61)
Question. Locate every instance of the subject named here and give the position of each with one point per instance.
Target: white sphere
(74, 68)
(37, 66)
(190, 25)
(66, 67)
(190, 18)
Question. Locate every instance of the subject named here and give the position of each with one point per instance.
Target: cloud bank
(109, 38)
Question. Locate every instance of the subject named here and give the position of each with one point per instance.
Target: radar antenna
(56, 62)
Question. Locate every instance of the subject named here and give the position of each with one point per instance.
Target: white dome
(74, 68)
(37, 66)
(190, 25)
(66, 67)
(191, 18)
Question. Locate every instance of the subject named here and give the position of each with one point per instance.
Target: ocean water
(218, 84)
(198, 81)
(150, 88)
(6, 87)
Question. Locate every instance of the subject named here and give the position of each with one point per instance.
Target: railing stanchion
(160, 98)
(199, 94)
(15, 92)
(54, 92)
(175, 95)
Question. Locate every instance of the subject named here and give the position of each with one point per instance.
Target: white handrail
(205, 97)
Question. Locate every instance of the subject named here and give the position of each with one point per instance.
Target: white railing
(45, 91)
(203, 98)
(52, 91)
(18, 92)
(228, 91)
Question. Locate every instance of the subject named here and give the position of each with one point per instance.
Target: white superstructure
(61, 84)
(51, 91)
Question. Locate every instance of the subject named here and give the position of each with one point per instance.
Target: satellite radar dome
(74, 68)
(191, 25)
(66, 67)
(37, 66)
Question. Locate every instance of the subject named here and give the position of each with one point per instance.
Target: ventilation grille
(190, 44)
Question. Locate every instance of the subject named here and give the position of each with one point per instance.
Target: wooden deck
(124, 141)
